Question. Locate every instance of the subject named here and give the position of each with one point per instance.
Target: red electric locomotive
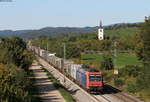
(90, 79)
(94, 81)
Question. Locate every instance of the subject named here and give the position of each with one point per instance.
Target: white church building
(100, 32)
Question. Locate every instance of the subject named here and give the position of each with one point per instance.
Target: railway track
(124, 96)
(109, 95)
(112, 94)
(119, 97)
(101, 98)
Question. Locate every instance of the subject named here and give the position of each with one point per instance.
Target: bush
(146, 93)
(119, 82)
(131, 70)
(108, 76)
(143, 80)
(131, 87)
(14, 84)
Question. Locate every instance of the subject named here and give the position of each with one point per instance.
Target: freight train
(88, 78)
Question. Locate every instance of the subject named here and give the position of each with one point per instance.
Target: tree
(107, 62)
(13, 50)
(72, 39)
(14, 82)
(143, 39)
(143, 52)
(73, 50)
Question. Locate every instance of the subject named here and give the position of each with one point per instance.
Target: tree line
(75, 45)
(14, 63)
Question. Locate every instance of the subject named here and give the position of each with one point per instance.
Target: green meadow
(122, 59)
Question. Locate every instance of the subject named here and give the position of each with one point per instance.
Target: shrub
(108, 77)
(131, 87)
(143, 80)
(119, 82)
(131, 70)
(13, 84)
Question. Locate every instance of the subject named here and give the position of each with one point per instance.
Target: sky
(36, 14)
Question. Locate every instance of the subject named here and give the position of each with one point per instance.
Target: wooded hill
(13, 33)
(114, 30)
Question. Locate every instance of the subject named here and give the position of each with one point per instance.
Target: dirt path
(47, 91)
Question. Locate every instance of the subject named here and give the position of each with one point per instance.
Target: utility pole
(115, 58)
(115, 53)
(64, 51)
(47, 46)
(64, 61)
(47, 50)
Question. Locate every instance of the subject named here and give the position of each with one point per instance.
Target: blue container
(81, 77)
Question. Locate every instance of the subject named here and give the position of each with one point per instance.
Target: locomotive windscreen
(95, 77)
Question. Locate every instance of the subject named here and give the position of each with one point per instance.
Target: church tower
(100, 32)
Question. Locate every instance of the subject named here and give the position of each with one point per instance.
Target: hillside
(13, 33)
(121, 33)
(116, 30)
(57, 31)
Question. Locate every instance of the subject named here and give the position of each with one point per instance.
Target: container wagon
(74, 68)
(88, 78)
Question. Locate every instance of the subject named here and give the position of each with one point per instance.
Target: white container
(67, 66)
(74, 68)
(41, 52)
(58, 62)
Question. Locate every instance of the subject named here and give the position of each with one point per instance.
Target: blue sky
(35, 14)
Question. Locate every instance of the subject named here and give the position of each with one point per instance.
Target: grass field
(122, 59)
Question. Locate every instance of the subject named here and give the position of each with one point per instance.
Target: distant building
(100, 32)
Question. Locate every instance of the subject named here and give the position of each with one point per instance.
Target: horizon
(33, 14)
(64, 27)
